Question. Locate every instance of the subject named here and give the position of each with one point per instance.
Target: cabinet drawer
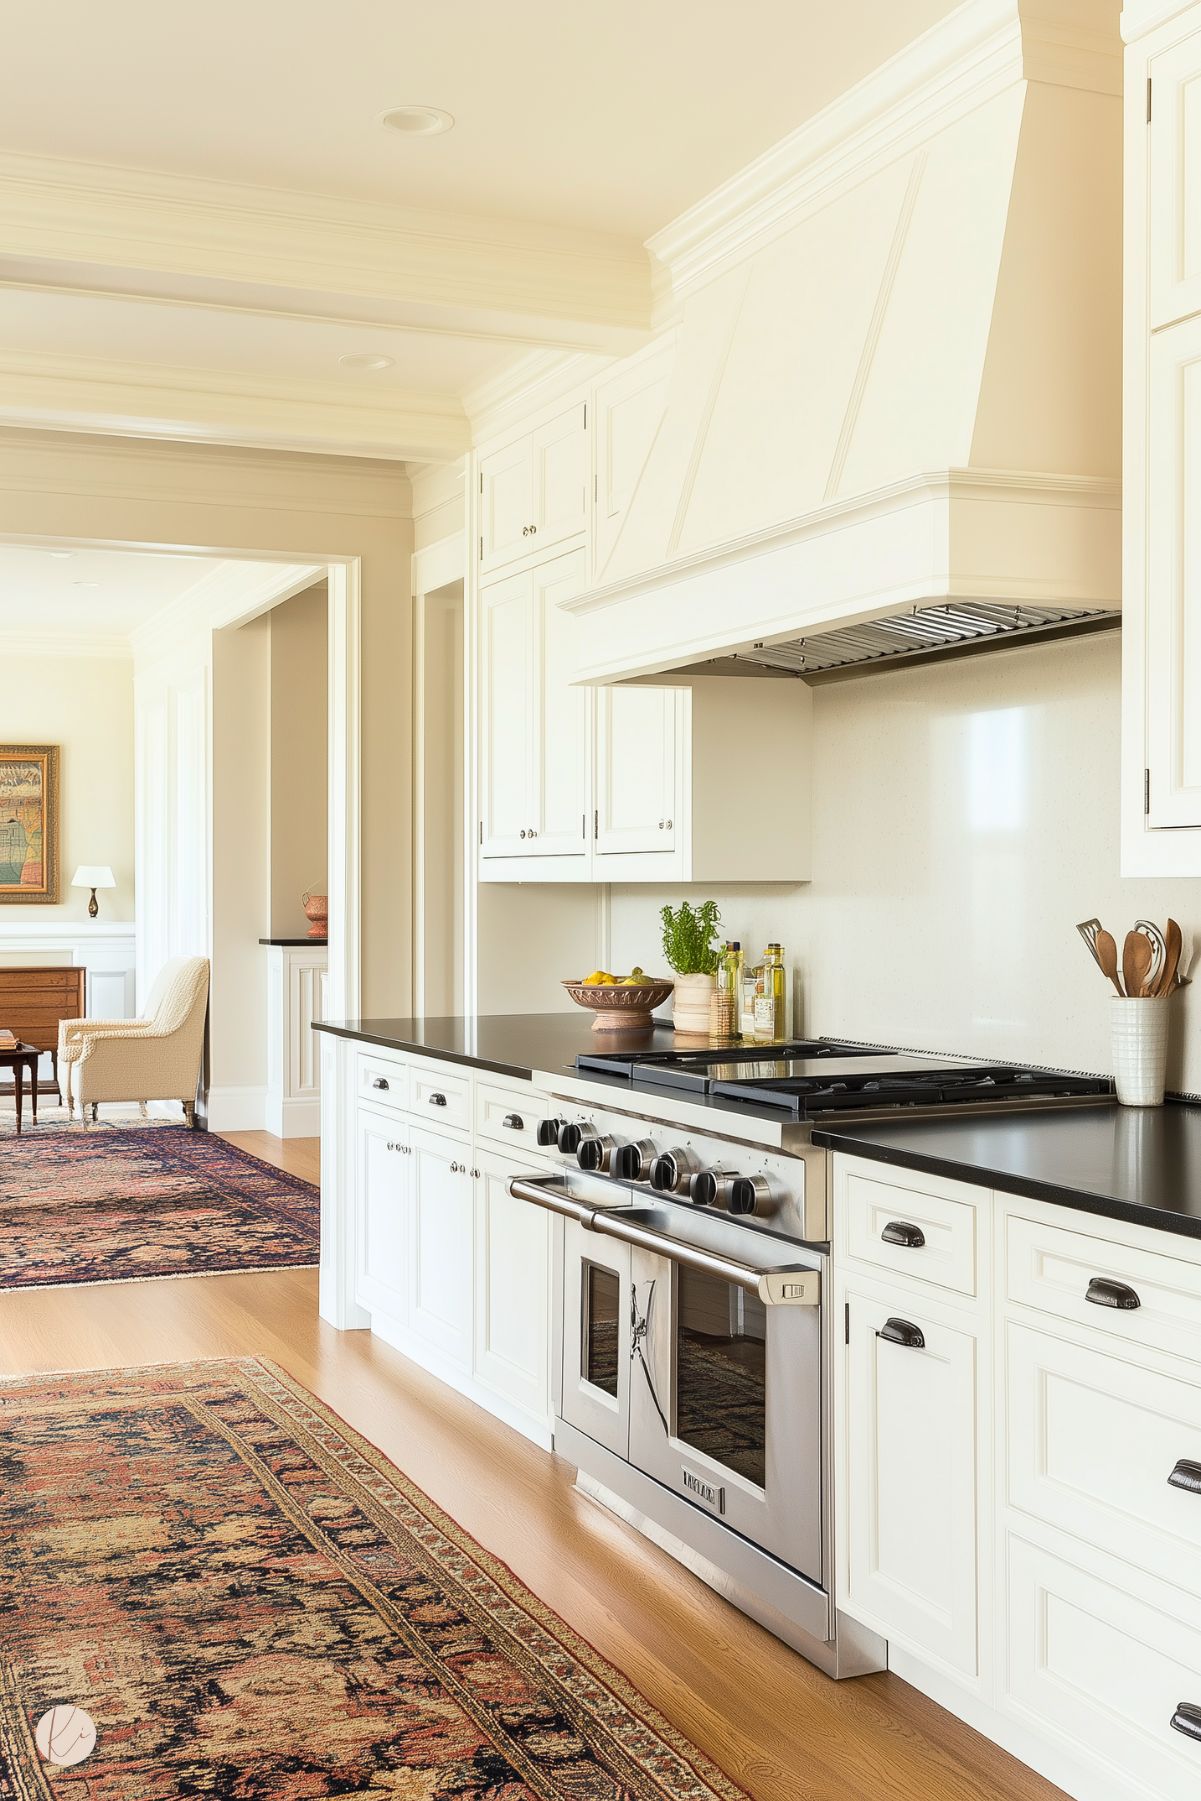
(438, 1098)
(923, 1228)
(1093, 1440)
(510, 1117)
(383, 1082)
(1052, 1268)
(1088, 1660)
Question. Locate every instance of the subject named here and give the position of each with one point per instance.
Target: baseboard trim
(289, 1118)
(237, 1109)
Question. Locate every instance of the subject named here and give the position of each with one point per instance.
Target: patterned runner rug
(123, 1205)
(250, 1602)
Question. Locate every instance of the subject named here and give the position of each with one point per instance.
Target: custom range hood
(885, 423)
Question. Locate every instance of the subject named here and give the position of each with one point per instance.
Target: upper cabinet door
(1173, 599)
(629, 410)
(561, 744)
(639, 764)
(1174, 184)
(506, 505)
(508, 699)
(559, 462)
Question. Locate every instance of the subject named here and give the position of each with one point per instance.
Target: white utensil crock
(1140, 1050)
(690, 1003)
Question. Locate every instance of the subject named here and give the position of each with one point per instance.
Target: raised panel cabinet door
(559, 479)
(512, 1291)
(911, 1432)
(508, 696)
(629, 410)
(383, 1216)
(440, 1290)
(1173, 603)
(1174, 184)
(506, 505)
(561, 762)
(638, 760)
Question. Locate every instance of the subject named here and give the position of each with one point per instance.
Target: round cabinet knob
(595, 1153)
(454, 1169)
(533, 531)
(668, 826)
(523, 834)
(548, 1131)
(569, 1139)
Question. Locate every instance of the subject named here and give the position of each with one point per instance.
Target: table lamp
(93, 876)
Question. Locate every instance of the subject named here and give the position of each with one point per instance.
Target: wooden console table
(33, 1002)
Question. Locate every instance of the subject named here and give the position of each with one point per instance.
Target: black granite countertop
(511, 1044)
(305, 940)
(1141, 1164)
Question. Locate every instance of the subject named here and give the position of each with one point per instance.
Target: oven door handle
(552, 1196)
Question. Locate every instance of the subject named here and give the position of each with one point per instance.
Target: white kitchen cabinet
(534, 727)
(629, 407)
(910, 1421)
(383, 1214)
(441, 1250)
(1174, 187)
(533, 491)
(1173, 606)
(512, 1290)
(641, 735)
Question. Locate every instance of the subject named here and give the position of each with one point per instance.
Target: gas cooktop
(819, 1076)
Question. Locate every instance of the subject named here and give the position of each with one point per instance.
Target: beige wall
(84, 705)
(966, 818)
(241, 801)
(299, 706)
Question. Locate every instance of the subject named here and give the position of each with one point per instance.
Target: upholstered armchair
(152, 1059)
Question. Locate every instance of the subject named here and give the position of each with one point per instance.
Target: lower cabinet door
(512, 1292)
(384, 1222)
(1115, 1673)
(911, 1483)
(440, 1273)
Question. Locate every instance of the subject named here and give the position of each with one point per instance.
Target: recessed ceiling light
(365, 359)
(418, 121)
(85, 584)
(61, 555)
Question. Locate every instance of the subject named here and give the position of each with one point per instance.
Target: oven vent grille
(954, 628)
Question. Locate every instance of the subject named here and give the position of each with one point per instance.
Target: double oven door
(695, 1352)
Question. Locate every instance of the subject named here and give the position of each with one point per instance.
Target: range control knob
(595, 1153)
(671, 1172)
(710, 1188)
(752, 1195)
(569, 1138)
(549, 1129)
(632, 1162)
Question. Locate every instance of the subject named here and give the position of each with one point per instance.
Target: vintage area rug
(253, 1604)
(122, 1205)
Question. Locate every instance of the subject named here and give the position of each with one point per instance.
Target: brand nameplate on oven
(704, 1491)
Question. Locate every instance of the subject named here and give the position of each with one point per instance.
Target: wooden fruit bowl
(620, 1009)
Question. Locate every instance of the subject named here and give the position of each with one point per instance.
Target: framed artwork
(29, 823)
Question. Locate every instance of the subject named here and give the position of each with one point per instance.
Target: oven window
(602, 1295)
(721, 1373)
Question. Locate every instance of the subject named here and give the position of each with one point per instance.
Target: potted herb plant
(688, 944)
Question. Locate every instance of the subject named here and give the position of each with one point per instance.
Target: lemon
(598, 979)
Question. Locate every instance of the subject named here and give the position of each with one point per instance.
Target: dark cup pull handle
(899, 1231)
(1186, 1475)
(437, 1100)
(1104, 1293)
(901, 1331)
(1187, 1719)
(380, 1082)
(513, 1121)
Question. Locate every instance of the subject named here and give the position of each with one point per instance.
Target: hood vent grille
(957, 629)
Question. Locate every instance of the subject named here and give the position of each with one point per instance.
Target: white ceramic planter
(690, 1003)
(1139, 1031)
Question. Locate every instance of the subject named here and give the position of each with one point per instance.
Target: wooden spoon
(1107, 956)
(1174, 943)
(1138, 954)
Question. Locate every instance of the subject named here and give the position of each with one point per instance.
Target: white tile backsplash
(965, 817)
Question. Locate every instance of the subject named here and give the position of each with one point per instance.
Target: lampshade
(93, 875)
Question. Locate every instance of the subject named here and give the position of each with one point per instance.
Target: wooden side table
(19, 1058)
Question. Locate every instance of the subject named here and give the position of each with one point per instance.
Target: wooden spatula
(1138, 954)
(1107, 956)
(1174, 943)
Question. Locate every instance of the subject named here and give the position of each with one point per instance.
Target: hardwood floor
(769, 1719)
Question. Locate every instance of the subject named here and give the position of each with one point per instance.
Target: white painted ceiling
(102, 594)
(613, 116)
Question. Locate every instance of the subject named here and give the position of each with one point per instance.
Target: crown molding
(151, 232)
(1142, 16)
(145, 400)
(110, 646)
(976, 52)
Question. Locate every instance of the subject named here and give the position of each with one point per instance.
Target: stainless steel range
(693, 1349)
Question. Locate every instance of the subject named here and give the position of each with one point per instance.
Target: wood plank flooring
(769, 1719)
